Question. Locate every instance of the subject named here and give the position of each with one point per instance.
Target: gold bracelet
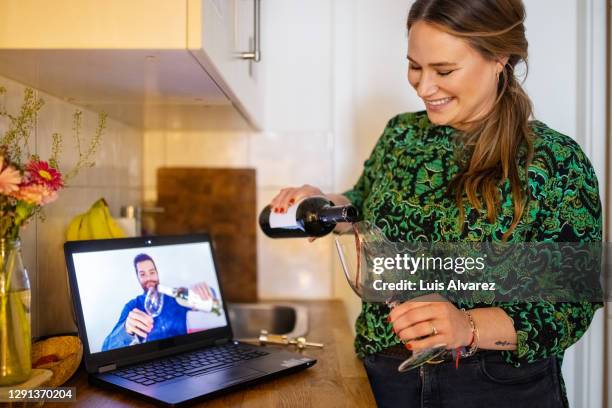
(473, 346)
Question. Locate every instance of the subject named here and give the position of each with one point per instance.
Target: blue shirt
(172, 321)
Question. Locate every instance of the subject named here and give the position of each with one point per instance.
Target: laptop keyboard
(188, 364)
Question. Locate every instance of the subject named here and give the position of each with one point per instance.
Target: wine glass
(357, 253)
(153, 303)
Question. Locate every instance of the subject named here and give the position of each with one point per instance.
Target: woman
(472, 167)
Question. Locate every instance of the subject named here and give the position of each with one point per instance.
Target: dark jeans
(483, 380)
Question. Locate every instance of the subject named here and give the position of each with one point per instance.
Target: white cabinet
(219, 32)
(134, 58)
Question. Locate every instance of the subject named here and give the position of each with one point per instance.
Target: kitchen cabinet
(224, 31)
(133, 59)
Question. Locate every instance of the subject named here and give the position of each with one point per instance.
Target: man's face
(147, 274)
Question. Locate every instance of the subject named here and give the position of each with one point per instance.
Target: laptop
(173, 354)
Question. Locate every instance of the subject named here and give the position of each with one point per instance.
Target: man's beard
(149, 284)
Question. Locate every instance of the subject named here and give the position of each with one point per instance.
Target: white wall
(552, 81)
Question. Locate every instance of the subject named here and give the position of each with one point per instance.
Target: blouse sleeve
(573, 215)
(373, 166)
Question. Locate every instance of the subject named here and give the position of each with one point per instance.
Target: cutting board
(221, 202)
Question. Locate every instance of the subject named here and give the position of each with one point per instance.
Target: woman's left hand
(432, 316)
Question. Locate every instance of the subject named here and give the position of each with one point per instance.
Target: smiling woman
(465, 76)
(473, 167)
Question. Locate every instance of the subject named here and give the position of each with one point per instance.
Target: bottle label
(197, 303)
(193, 301)
(165, 290)
(286, 220)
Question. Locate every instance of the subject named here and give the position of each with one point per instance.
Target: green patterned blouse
(403, 191)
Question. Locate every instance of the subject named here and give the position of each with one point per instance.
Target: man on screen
(135, 325)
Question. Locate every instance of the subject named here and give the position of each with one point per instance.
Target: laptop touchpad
(192, 387)
(229, 376)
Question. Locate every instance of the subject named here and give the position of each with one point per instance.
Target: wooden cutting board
(221, 202)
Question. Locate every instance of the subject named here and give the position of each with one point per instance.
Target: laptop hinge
(220, 342)
(106, 368)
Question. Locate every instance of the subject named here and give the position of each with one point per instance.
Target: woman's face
(457, 84)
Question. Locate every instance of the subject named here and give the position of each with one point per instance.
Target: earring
(501, 68)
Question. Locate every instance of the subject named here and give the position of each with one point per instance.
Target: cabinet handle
(255, 55)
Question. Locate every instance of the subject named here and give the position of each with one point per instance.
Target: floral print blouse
(403, 191)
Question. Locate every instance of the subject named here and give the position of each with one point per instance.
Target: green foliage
(15, 149)
(17, 137)
(56, 148)
(85, 157)
(15, 141)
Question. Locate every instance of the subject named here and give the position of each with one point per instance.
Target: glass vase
(15, 332)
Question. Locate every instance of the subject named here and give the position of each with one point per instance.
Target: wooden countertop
(337, 380)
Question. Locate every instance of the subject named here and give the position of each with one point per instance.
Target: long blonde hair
(494, 144)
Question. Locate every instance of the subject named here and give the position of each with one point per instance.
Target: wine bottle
(188, 298)
(310, 217)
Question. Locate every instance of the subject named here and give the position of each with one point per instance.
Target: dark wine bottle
(311, 217)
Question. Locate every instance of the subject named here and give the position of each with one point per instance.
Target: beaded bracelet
(473, 346)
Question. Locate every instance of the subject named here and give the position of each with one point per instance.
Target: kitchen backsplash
(117, 176)
(289, 269)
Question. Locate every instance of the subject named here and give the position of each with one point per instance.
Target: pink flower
(9, 178)
(37, 194)
(40, 172)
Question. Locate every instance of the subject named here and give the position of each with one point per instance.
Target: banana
(84, 228)
(72, 233)
(96, 223)
(96, 218)
(115, 229)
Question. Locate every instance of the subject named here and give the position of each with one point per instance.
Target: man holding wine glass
(473, 167)
(159, 312)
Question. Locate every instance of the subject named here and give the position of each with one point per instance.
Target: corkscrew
(282, 340)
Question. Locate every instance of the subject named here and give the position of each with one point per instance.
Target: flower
(9, 178)
(39, 172)
(37, 194)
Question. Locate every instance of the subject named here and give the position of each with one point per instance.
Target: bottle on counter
(15, 326)
(187, 298)
(310, 217)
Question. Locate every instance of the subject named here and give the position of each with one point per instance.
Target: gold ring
(434, 331)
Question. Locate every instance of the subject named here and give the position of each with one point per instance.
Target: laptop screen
(138, 295)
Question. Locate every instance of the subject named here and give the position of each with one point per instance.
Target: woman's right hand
(290, 195)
